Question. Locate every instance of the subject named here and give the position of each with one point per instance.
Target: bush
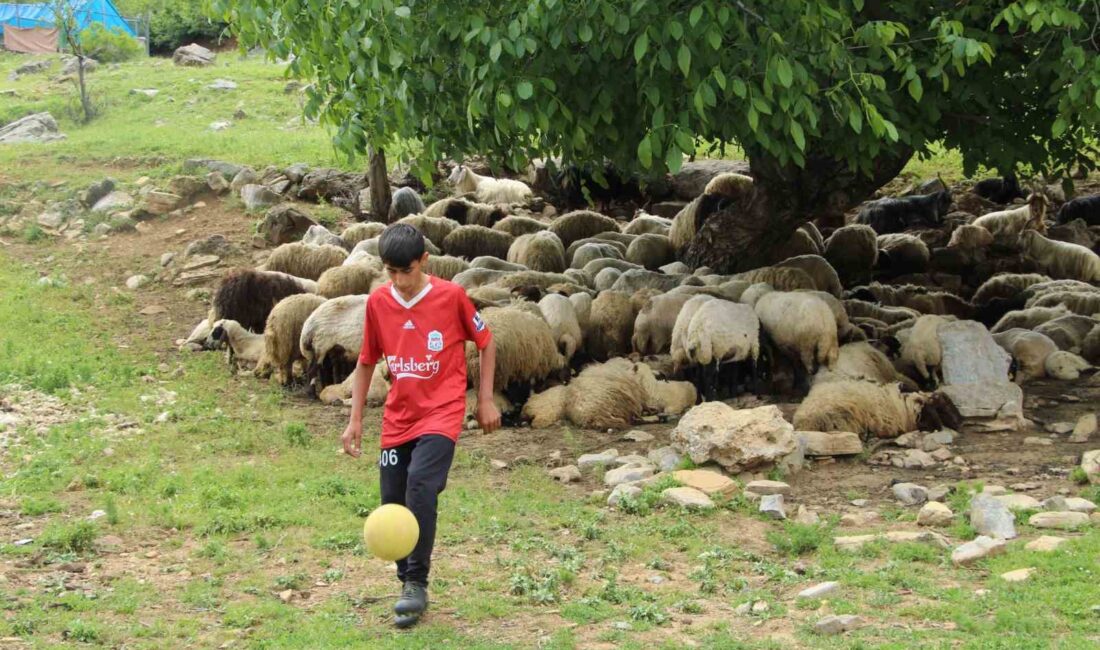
(109, 45)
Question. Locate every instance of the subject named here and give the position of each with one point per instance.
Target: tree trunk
(380, 197)
(744, 236)
(84, 103)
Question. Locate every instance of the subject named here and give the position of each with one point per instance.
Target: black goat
(999, 190)
(1086, 208)
(888, 216)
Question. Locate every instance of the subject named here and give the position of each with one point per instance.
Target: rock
(201, 262)
(318, 235)
(337, 187)
(1045, 544)
(285, 223)
(709, 483)
(917, 459)
(687, 497)
(215, 244)
(1018, 501)
(136, 281)
(692, 179)
(1026, 485)
(1036, 441)
(859, 519)
(631, 459)
(820, 443)
(1060, 428)
(1084, 429)
(258, 197)
(101, 230)
(53, 219)
(760, 607)
(113, 201)
(938, 492)
(994, 490)
(589, 461)
(167, 258)
(935, 513)
(623, 491)
(287, 595)
(938, 439)
(223, 84)
(201, 276)
(216, 182)
(1075, 504)
(992, 518)
(159, 203)
(1090, 462)
(1064, 520)
(193, 55)
(911, 439)
(833, 625)
(942, 454)
(1019, 575)
(977, 549)
(147, 92)
(627, 474)
(71, 65)
(806, 516)
(970, 355)
(764, 488)
(566, 474)
(228, 170)
(667, 459)
(97, 191)
(909, 494)
(32, 67)
(498, 464)
(40, 127)
(245, 176)
(772, 505)
(993, 405)
(819, 591)
(220, 125)
(638, 436)
(735, 439)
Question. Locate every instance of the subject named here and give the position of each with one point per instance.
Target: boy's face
(407, 279)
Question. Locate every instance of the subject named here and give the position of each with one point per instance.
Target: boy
(420, 323)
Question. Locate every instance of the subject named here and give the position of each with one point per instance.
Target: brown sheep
(248, 296)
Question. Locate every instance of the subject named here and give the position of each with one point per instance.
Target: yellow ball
(390, 532)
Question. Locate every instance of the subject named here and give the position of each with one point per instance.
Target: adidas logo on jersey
(409, 325)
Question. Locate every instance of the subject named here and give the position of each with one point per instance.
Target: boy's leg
(427, 477)
(393, 473)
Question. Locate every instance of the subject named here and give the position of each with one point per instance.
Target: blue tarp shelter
(86, 12)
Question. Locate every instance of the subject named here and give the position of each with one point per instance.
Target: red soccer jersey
(423, 340)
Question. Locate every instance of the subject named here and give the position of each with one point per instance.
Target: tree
(64, 15)
(827, 98)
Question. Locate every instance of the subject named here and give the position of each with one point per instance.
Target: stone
(1018, 501)
(687, 497)
(942, 454)
(147, 92)
(992, 405)
(627, 474)
(337, 187)
(623, 491)
(1036, 441)
(216, 182)
(588, 461)
(911, 439)
(284, 223)
(1065, 520)
(201, 262)
(97, 191)
(833, 625)
(1077, 504)
(191, 278)
(760, 607)
(244, 176)
(667, 459)
(258, 197)
(498, 464)
(909, 494)
(137, 281)
(976, 549)
(1045, 544)
(764, 488)
(970, 355)
(806, 516)
(991, 517)
(709, 483)
(631, 459)
(772, 505)
(917, 459)
(859, 519)
(71, 65)
(157, 203)
(1090, 462)
(193, 55)
(223, 84)
(220, 125)
(52, 219)
(101, 229)
(215, 244)
(31, 67)
(938, 439)
(1084, 429)
(318, 235)
(935, 513)
(1024, 486)
(1060, 428)
(167, 258)
(1019, 575)
(638, 436)
(821, 443)
(938, 492)
(735, 439)
(692, 179)
(37, 128)
(566, 474)
(819, 591)
(113, 201)
(994, 490)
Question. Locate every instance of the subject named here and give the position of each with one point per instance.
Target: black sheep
(1086, 208)
(248, 296)
(888, 216)
(999, 190)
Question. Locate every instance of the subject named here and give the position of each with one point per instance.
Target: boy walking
(420, 323)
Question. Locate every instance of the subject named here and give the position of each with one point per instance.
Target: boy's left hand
(488, 416)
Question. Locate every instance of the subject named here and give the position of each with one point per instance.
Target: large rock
(687, 497)
(193, 55)
(72, 65)
(215, 244)
(337, 187)
(665, 458)
(821, 443)
(993, 405)
(910, 494)
(188, 187)
(33, 67)
(285, 223)
(227, 169)
(40, 127)
(772, 506)
(1090, 462)
(693, 177)
(157, 203)
(975, 550)
(244, 176)
(97, 191)
(1016, 502)
(934, 513)
(52, 219)
(709, 483)
(735, 439)
(835, 624)
(318, 235)
(115, 201)
(1062, 520)
(605, 458)
(627, 474)
(970, 355)
(258, 197)
(991, 517)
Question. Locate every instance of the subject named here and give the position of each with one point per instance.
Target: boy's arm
(488, 416)
(360, 385)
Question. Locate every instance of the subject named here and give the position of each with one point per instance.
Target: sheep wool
(823, 275)
(516, 225)
(643, 224)
(651, 251)
(1029, 349)
(722, 331)
(611, 324)
(539, 251)
(678, 342)
(358, 232)
(580, 224)
(1060, 259)
(244, 347)
(435, 229)
(333, 333)
(606, 396)
(526, 349)
(654, 323)
(860, 407)
(1065, 365)
(582, 309)
(558, 312)
(405, 201)
(853, 252)
(781, 278)
(466, 212)
(475, 241)
(1006, 285)
(445, 266)
(1028, 318)
(802, 327)
(346, 280)
(545, 408)
(304, 260)
(247, 296)
(922, 348)
(861, 361)
(1008, 224)
(488, 189)
(283, 332)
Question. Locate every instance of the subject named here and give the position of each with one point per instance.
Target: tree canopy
(638, 82)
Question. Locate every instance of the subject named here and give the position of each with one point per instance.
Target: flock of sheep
(598, 323)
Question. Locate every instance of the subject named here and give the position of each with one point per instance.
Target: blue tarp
(86, 13)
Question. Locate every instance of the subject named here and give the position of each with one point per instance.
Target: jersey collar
(409, 304)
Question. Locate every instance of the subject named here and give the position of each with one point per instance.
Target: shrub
(109, 45)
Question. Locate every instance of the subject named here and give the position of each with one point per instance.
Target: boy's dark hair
(400, 245)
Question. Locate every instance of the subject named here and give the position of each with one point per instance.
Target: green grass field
(239, 495)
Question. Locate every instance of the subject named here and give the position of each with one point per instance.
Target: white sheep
(560, 315)
(922, 350)
(1065, 365)
(722, 333)
(243, 347)
(487, 189)
(872, 410)
(1008, 224)
(802, 326)
(861, 361)
(331, 339)
(1060, 259)
(653, 326)
(1029, 349)
(677, 348)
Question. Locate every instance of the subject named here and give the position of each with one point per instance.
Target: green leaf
(714, 37)
(683, 58)
(684, 140)
(524, 90)
(494, 52)
(645, 153)
(891, 130)
(855, 119)
(754, 119)
(585, 33)
(720, 77)
(676, 30)
(783, 71)
(640, 47)
(798, 136)
(1096, 99)
(402, 12)
(674, 158)
(739, 88)
(858, 4)
(504, 99)
(1059, 127)
(915, 89)
(696, 16)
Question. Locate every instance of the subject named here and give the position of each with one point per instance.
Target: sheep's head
(936, 412)
(457, 172)
(1027, 239)
(942, 202)
(218, 336)
(1038, 204)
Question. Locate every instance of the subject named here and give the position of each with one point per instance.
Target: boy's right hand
(352, 439)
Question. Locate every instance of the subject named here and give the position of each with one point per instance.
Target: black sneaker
(412, 603)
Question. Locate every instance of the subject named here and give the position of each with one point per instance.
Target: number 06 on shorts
(388, 458)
